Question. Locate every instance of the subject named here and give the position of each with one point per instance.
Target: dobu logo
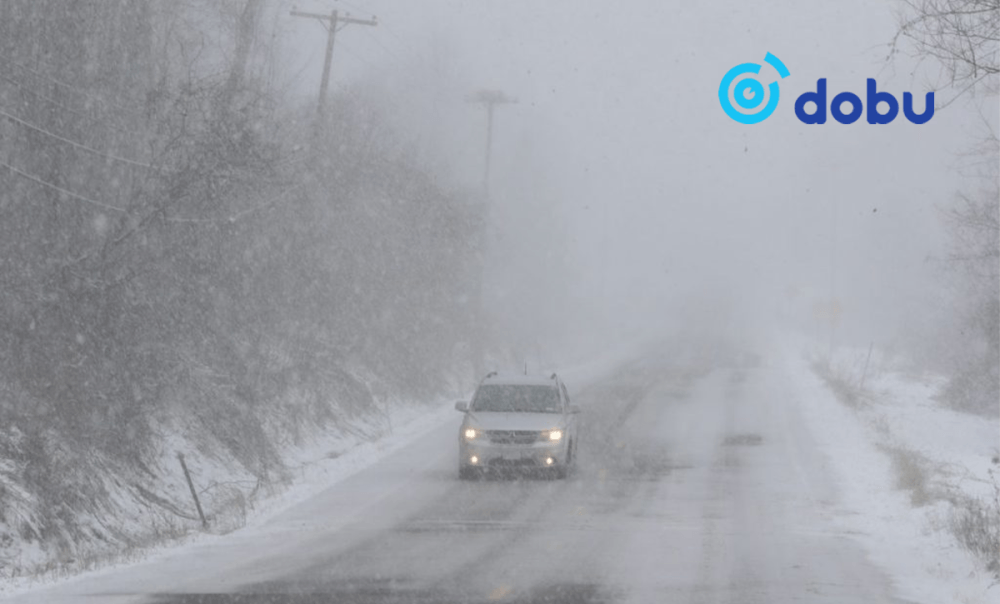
(754, 103)
(749, 93)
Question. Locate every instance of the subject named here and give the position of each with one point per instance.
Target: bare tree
(170, 246)
(960, 34)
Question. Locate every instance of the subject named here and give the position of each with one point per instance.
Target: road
(694, 485)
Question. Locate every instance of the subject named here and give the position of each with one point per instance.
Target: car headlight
(470, 433)
(555, 435)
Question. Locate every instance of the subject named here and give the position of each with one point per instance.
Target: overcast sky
(654, 198)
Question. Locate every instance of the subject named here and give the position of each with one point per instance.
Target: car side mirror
(462, 406)
(575, 409)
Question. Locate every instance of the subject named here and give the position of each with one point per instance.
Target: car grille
(512, 437)
(512, 463)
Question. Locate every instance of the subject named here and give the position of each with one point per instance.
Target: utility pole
(332, 23)
(489, 99)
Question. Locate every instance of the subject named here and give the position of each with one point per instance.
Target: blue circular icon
(749, 93)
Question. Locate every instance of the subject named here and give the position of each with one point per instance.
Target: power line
(78, 90)
(395, 56)
(56, 103)
(73, 143)
(241, 214)
(392, 33)
(405, 46)
(68, 193)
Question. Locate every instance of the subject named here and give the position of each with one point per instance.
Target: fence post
(194, 494)
(864, 373)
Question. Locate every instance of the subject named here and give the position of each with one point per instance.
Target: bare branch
(960, 34)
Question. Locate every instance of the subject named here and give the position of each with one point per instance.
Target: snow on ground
(901, 520)
(900, 458)
(319, 462)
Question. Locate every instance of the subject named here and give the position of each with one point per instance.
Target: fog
(247, 303)
(621, 193)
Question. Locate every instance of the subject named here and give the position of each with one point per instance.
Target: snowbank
(233, 498)
(905, 465)
(319, 462)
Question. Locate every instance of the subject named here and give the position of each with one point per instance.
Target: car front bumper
(493, 455)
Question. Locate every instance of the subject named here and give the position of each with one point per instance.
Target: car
(518, 422)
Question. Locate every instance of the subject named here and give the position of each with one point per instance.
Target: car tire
(466, 473)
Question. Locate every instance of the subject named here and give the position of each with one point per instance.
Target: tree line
(177, 237)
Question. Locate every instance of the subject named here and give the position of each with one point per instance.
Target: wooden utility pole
(332, 23)
(489, 99)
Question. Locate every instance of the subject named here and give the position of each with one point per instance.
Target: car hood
(516, 421)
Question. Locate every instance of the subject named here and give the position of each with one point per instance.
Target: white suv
(517, 422)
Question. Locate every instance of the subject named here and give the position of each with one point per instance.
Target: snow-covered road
(694, 485)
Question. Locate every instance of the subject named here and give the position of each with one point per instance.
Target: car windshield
(516, 398)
